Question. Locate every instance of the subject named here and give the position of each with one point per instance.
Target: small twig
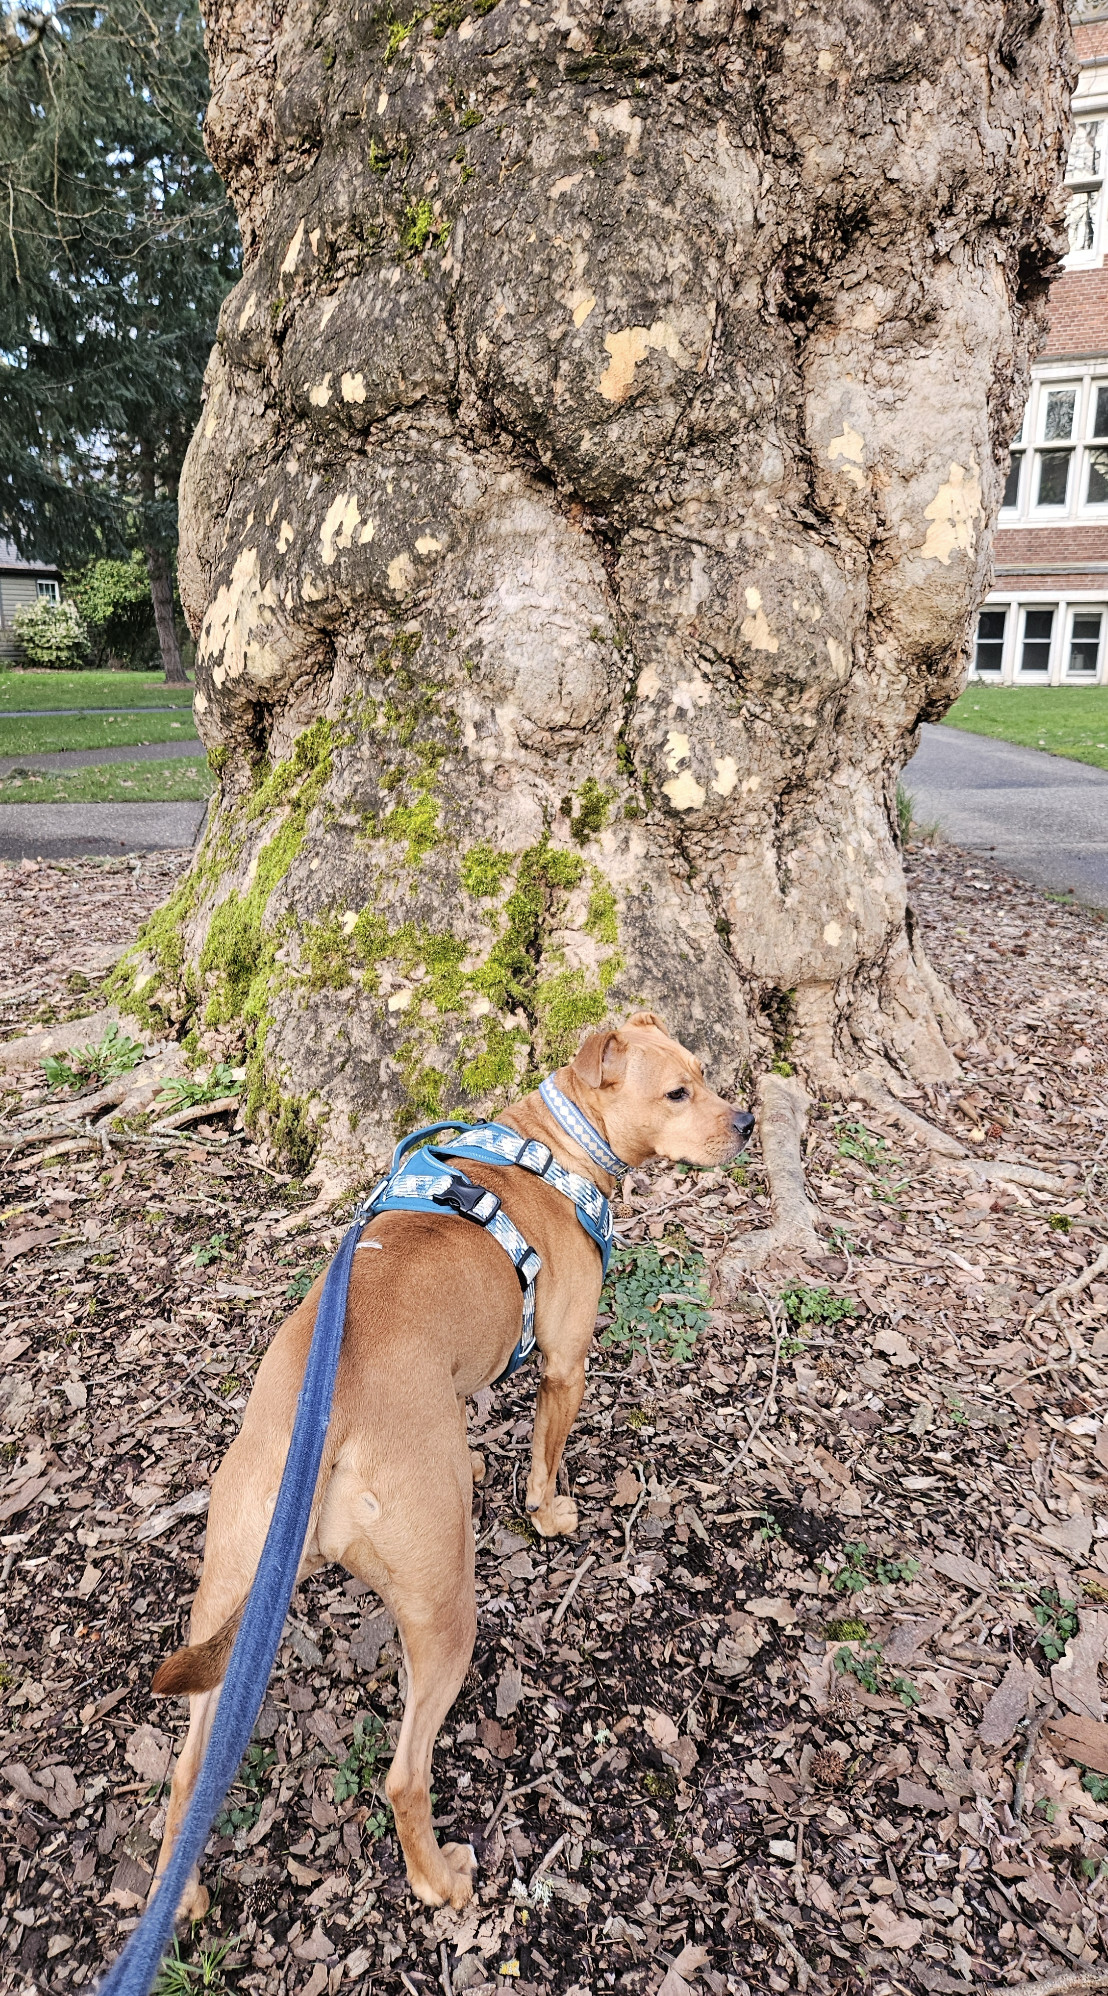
(761, 1919)
(545, 1863)
(571, 1590)
(1067, 1291)
(444, 1971)
(798, 1861)
(771, 1311)
(630, 1522)
(1030, 1743)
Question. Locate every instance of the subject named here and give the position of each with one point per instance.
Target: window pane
(1054, 478)
(1081, 219)
(989, 655)
(1038, 626)
(1100, 412)
(1084, 156)
(1096, 491)
(1085, 642)
(1058, 422)
(1012, 482)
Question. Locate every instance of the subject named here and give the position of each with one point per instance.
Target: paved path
(75, 831)
(91, 758)
(1042, 817)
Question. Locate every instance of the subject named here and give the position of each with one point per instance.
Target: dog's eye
(678, 1095)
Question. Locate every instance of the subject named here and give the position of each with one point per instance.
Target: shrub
(53, 636)
(114, 599)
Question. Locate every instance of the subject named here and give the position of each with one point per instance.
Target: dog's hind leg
(437, 1632)
(418, 1553)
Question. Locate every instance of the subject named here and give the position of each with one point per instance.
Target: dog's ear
(601, 1060)
(648, 1019)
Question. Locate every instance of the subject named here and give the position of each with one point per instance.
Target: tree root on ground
(949, 1149)
(782, 1118)
(1067, 1291)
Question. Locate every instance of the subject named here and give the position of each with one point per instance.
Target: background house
(22, 582)
(1046, 620)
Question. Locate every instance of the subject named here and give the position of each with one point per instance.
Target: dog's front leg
(561, 1390)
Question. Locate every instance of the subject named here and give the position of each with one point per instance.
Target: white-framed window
(1041, 640)
(1084, 652)
(1085, 189)
(1058, 468)
(1035, 644)
(49, 592)
(988, 650)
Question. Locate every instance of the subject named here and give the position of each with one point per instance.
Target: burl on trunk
(593, 489)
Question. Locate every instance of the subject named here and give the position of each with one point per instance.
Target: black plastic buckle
(462, 1196)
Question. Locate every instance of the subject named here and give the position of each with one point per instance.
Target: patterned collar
(578, 1126)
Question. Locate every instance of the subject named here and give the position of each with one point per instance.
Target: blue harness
(423, 1180)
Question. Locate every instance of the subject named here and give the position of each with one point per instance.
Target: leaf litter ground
(808, 1700)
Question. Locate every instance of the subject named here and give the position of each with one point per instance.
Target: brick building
(1045, 622)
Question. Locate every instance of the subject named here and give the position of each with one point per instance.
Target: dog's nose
(742, 1123)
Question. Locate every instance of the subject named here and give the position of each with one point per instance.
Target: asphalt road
(78, 831)
(1041, 817)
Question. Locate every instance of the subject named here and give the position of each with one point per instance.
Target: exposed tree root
(1066, 1291)
(871, 1090)
(782, 1117)
(866, 1087)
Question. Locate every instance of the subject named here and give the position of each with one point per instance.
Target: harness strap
(417, 1183)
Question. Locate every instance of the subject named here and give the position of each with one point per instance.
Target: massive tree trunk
(594, 486)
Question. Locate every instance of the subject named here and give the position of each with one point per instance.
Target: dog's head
(648, 1096)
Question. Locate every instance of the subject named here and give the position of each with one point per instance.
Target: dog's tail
(203, 1666)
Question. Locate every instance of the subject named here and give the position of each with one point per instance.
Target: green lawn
(113, 783)
(89, 689)
(92, 731)
(1064, 720)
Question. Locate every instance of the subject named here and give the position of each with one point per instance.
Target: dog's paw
(556, 1519)
(476, 1465)
(194, 1900)
(453, 1880)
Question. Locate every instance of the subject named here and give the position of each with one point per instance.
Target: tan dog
(432, 1318)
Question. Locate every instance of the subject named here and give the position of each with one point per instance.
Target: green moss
(494, 1070)
(565, 1006)
(417, 227)
(417, 825)
(485, 870)
(325, 949)
(510, 969)
(600, 920)
(595, 809)
(218, 758)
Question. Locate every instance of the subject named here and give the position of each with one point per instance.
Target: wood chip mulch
(808, 1700)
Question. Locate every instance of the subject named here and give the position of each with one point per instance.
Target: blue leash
(259, 1633)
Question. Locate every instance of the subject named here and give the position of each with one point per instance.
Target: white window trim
(1088, 109)
(1064, 606)
(47, 590)
(1086, 377)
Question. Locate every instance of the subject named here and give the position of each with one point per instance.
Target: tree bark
(161, 590)
(595, 482)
